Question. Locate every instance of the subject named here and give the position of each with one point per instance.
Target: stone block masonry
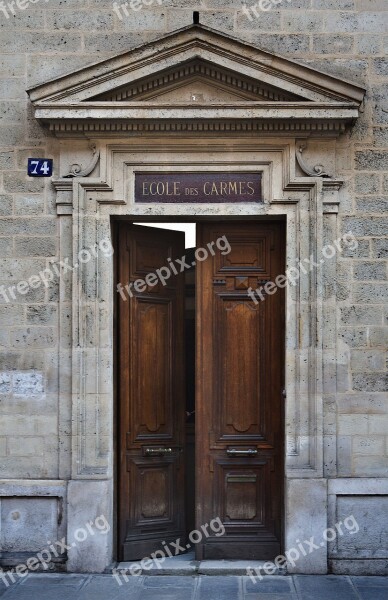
(38, 45)
(43, 40)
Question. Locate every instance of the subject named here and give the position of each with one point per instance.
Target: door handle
(236, 452)
(157, 451)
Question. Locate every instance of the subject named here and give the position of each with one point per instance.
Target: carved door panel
(151, 391)
(239, 412)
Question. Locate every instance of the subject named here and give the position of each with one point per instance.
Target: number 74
(43, 168)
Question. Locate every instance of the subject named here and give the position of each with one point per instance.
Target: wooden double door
(238, 389)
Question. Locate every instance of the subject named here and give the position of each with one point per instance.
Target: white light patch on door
(188, 228)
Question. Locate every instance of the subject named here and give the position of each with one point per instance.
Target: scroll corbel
(317, 171)
(76, 170)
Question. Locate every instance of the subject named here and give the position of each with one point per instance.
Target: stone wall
(49, 38)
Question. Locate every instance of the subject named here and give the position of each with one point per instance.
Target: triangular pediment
(195, 90)
(201, 70)
(198, 81)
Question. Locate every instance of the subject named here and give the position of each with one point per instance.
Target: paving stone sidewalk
(200, 587)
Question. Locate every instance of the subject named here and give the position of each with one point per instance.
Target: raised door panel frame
(228, 344)
(167, 469)
(86, 207)
(162, 359)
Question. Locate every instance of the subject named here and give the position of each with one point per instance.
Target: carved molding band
(332, 128)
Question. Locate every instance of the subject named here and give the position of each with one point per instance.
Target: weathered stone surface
(334, 4)
(19, 182)
(47, 42)
(379, 95)
(371, 382)
(82, 20)
(354, 337)
(372, 160)
(367, 183)
(30, 446)
(380, 135)
(219, 587)
(361, 251)
(370, 270)
(380, 248)
(371, 205)
(5, 383)
(378, 336)
(6, 246)
(362, 403)
(6, 160)
(309, 519)
(365, 510)
(366, 226)
(323, 588)
(380, 66)
(6, 204)
(31, 226)
(101, 587)
(89, 500)
(327, 44)
(42, 314)
(361, 315)
(368, 360)
(349, 424)
(3, 446)
(370, 292)
(27, 523)
(28, 384)
(293, 44)
(29, 205)
(34, 337)
(373, 445)
(309, 21)
(35, 246)
(378, 424)
(368, 44)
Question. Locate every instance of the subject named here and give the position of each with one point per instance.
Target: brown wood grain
(151, 394)
(239, 404)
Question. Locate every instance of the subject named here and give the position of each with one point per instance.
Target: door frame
(87, 206)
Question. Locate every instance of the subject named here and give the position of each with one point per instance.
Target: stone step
(187, 565)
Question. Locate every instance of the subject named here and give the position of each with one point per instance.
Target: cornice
(111, 127)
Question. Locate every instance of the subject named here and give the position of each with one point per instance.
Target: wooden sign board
(198, 187)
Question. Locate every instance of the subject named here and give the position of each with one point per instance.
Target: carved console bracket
(76, 169)
(317, 171)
